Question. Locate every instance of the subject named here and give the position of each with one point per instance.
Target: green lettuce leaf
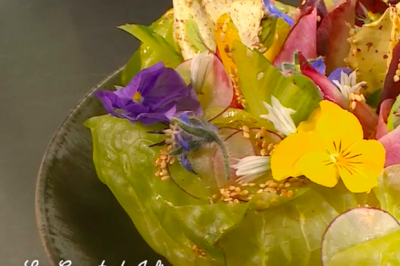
(388, 191)
(157, 44)
(259, 80)
(289, 234)
(384, 251)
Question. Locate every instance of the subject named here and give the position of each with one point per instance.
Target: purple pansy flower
(273, 11)
(154, 95)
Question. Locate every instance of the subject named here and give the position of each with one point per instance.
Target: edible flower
(347, 84)
(280, 116)
(189, 133)
(251, 167)
(328, 146)
(273, 11)
(154, 95)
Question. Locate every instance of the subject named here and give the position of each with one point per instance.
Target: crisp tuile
(371, 50)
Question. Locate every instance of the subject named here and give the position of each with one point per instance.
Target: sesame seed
(233, 194)
(262, 185)
(260, 76)
(354, 104)
(252, 184)
(265, 144)
(166, 177)
(287, 184)
(246, 135)
(246, 129)
(227, 199)
(163, 157)
(289, 194)
(244, 184)
(250, 197)
(171, 160)
(280, 186)
(235, 201)
(396, 78)
(232, 188)
(398, 66)
(398, 72)
(273, 185)
(215, 196)
(158, 172)
(357, 98)
(163, 164)
(158, 161)
(264, 152)
(283, 193)
(245, 192)
(237, 189)
(260, 191)
(164, 172)
(270, 190)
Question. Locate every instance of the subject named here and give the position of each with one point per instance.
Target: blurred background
(52, 52)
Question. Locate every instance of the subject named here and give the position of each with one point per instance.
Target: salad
(251, 132)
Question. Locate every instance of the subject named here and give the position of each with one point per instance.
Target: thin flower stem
(226, 156)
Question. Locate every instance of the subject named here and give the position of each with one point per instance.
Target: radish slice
(207, 75)
(355, 227)
(238, 147)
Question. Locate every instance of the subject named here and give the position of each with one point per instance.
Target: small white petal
(252, 167)
(280, 116)
(348, 84)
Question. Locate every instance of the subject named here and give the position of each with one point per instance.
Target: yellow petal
(289, 150)
(337, 128)
(361, 165)
(225, 34)
(311, 123)
(319, 167)
(281, 33)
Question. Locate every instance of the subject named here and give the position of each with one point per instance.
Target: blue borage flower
(292, 68)
(273, 11)
(155, 94)
(188, 133)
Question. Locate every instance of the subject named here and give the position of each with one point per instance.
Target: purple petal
(276, 13)
(186, 164)
(392, 146)
(184, 144)
(337, 73)
(151, 118)
(189, 103)
(319, 65)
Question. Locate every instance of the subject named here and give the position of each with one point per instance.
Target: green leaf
(394, 115)
(286, 235)
(234, 118)
(267, 36)
(388, 190)
(260, 80)
(194, 37)
(384, 251)
(151, 52)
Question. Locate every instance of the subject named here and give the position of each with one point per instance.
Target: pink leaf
(392, 146)
(332, 35)
(328, 89)
(382, 129)
(302, 37)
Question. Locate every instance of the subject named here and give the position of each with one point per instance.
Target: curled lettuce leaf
(157, 44)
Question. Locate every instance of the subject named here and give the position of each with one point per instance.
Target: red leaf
(332, 36)
(302, 37)
(391, 89)
(382, 129)
(328, 89)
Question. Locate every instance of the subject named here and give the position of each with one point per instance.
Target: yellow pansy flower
(327, 146)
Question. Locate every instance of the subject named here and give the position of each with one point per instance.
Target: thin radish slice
(238, 147)
(355, 227)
